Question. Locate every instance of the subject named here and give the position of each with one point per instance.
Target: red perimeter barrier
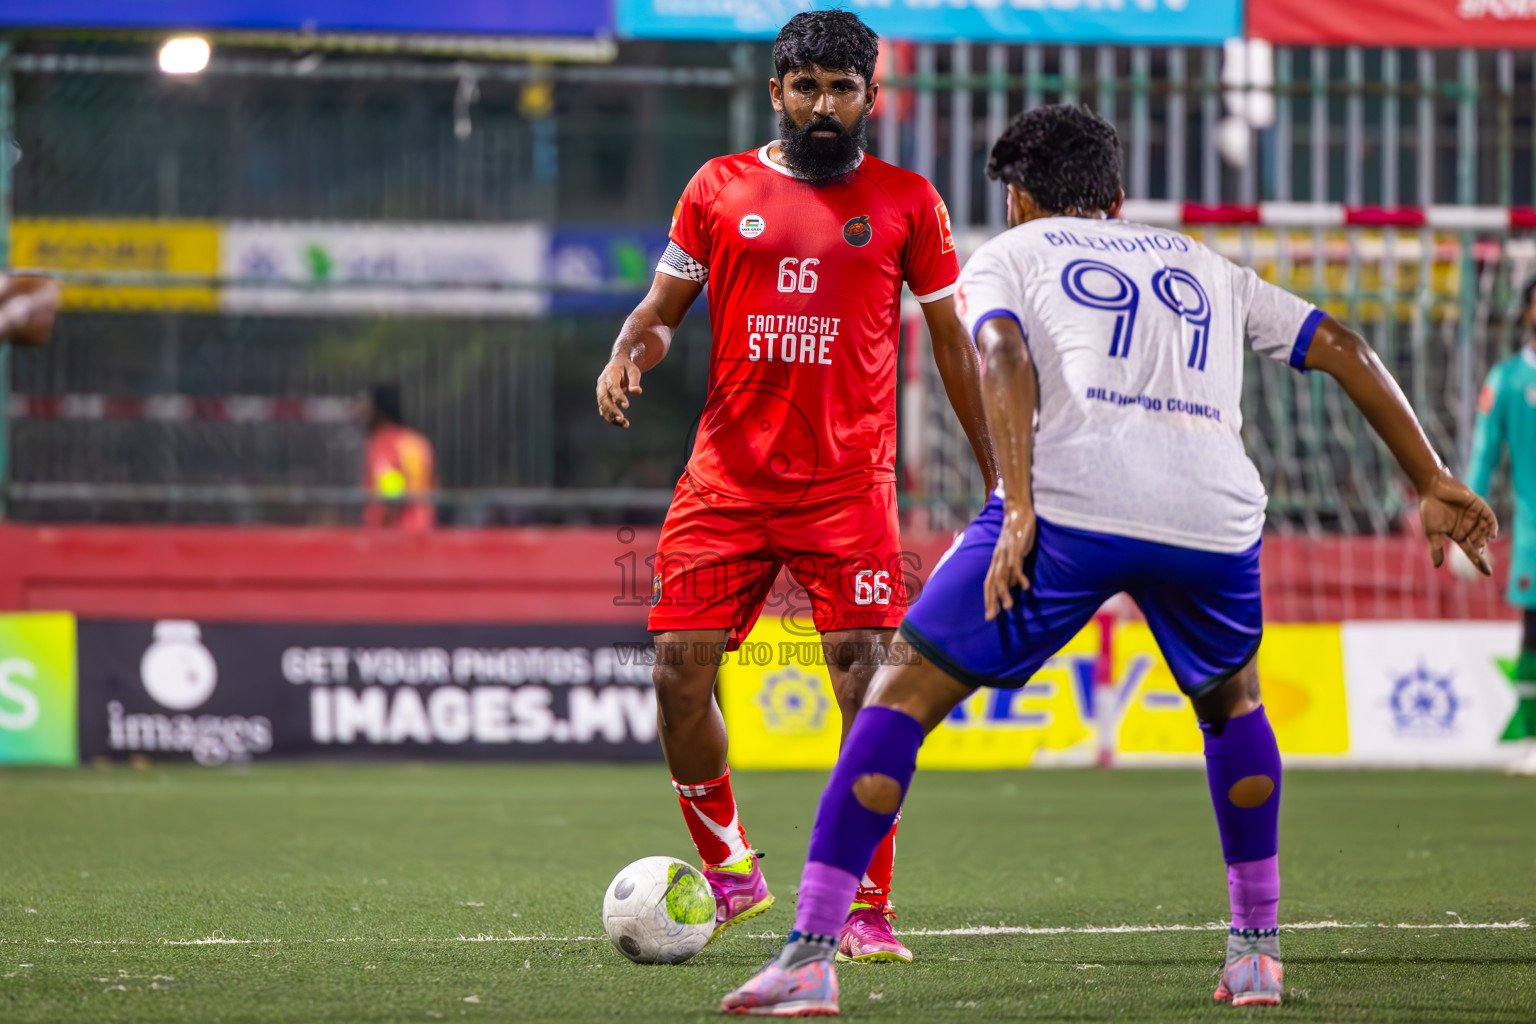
(570, 575)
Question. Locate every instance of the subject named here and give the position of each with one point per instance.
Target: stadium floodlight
(184, 55)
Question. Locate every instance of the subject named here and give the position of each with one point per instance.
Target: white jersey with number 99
(1137, 336)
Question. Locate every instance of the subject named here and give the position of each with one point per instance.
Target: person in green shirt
(1506, 418)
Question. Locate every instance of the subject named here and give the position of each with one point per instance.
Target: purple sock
(846, 833)
(825, 892)
(1242, 765)
(1254, 888)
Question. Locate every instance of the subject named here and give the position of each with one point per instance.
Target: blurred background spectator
(398, 467)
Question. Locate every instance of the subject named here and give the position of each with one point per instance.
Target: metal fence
(1395, 130)
(507, 401)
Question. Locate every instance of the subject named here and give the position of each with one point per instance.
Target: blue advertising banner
(617, 264)
(477, 17)
(1046, 21)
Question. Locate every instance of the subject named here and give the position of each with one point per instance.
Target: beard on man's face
(821, 157)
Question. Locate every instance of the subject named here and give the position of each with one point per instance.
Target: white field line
(980, 930)
(1214, 926)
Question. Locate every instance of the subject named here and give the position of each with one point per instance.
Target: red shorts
(718, 558)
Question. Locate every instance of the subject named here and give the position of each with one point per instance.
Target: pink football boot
(806, 990)
(1252, 975)
(737, 896)
(867, 938)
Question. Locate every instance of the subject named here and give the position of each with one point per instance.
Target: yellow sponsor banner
(1301, 672)
(122, 247)
(777, 700)
(1043, 722)
(781, 712)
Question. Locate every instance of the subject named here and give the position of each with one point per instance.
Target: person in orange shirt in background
(399, 467)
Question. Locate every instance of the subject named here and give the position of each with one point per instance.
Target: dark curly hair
(1065, 157)
(834, 40)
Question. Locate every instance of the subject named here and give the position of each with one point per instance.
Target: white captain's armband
(677, 263)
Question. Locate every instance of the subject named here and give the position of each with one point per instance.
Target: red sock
(710, 811)
(875, 887)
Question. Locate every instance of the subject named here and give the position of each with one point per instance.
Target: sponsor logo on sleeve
(857, 232)
(946, 233)
(751, 226)
(677, 211)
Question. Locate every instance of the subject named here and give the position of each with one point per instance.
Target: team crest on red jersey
(945, 231)
(857, 232)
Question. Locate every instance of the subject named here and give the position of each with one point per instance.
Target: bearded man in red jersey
(804, 245)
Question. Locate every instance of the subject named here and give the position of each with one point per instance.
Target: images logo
(177, 669)
(857, 232)
(38, 689)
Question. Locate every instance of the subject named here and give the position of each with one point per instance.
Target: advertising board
(781, 712)
(1432, 693)
(1494, 24)
(220, 692)
(127, 246)
(37, 689)
(1037, 21)
(421, 268)
(477, 17)
(1391, 694)
(602, 270)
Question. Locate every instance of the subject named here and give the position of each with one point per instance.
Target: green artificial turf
(355, 886)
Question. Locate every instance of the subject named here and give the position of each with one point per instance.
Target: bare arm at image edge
(1449, 510)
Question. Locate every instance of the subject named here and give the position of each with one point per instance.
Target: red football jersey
(804, 287)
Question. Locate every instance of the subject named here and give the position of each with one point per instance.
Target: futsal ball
(659, 910)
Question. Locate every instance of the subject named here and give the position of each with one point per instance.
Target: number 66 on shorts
(872, 586)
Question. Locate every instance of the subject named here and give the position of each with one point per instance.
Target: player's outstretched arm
(1447, 507)
(1008, 390)
(642, 343)
(28, 305)
(960, 370)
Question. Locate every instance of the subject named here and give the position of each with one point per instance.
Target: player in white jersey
(1139, 429)
(1114, 367)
